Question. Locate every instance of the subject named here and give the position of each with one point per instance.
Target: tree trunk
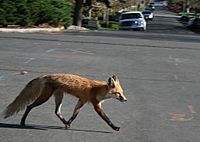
(77, 12)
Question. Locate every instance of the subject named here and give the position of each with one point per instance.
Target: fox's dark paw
(22, 124)
(116, 128)
(67, 126)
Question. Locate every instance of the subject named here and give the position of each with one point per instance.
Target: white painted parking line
(29, 60)
(175, 77)
(2, 77)
(50, 50)
(79, 51)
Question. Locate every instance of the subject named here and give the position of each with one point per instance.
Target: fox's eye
(117, 93)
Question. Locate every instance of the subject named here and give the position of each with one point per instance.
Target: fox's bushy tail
(30, 93)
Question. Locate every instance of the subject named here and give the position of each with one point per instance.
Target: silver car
(132, 20)
(148, 15)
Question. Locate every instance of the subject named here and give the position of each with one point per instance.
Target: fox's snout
(119, 97)
(122, 99)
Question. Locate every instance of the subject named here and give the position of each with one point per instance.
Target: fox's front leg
(77, 109)
(98, 108)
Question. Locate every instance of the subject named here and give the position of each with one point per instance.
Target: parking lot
(160, 79)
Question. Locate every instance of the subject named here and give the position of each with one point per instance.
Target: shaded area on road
(44, 127)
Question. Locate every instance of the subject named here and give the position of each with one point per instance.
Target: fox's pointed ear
(115, 77)
(111, 82)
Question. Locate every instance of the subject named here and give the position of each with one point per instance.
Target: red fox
(40, 89)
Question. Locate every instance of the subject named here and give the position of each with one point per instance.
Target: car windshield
(131, 16)
(146, 12)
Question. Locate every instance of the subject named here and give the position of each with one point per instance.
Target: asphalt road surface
(166, 22)
(158, 71)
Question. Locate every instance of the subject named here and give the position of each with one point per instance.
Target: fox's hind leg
(45, 95)
(77, 109)
(58, 101)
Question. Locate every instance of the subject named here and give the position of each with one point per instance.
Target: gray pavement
(160, 78)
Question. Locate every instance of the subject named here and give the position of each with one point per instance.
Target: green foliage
(34, 12)
(7, 12)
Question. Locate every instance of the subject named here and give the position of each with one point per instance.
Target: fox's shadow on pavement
(43, 127)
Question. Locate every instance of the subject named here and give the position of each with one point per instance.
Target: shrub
(34, 12)
(7, 11)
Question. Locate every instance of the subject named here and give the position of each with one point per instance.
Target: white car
(132, 20)
(148, 15)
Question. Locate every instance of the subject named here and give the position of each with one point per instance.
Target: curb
(30, 30)
(71, 28)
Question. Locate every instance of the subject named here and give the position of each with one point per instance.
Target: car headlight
(141, 22)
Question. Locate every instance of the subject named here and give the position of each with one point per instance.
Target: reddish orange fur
(40, 89)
